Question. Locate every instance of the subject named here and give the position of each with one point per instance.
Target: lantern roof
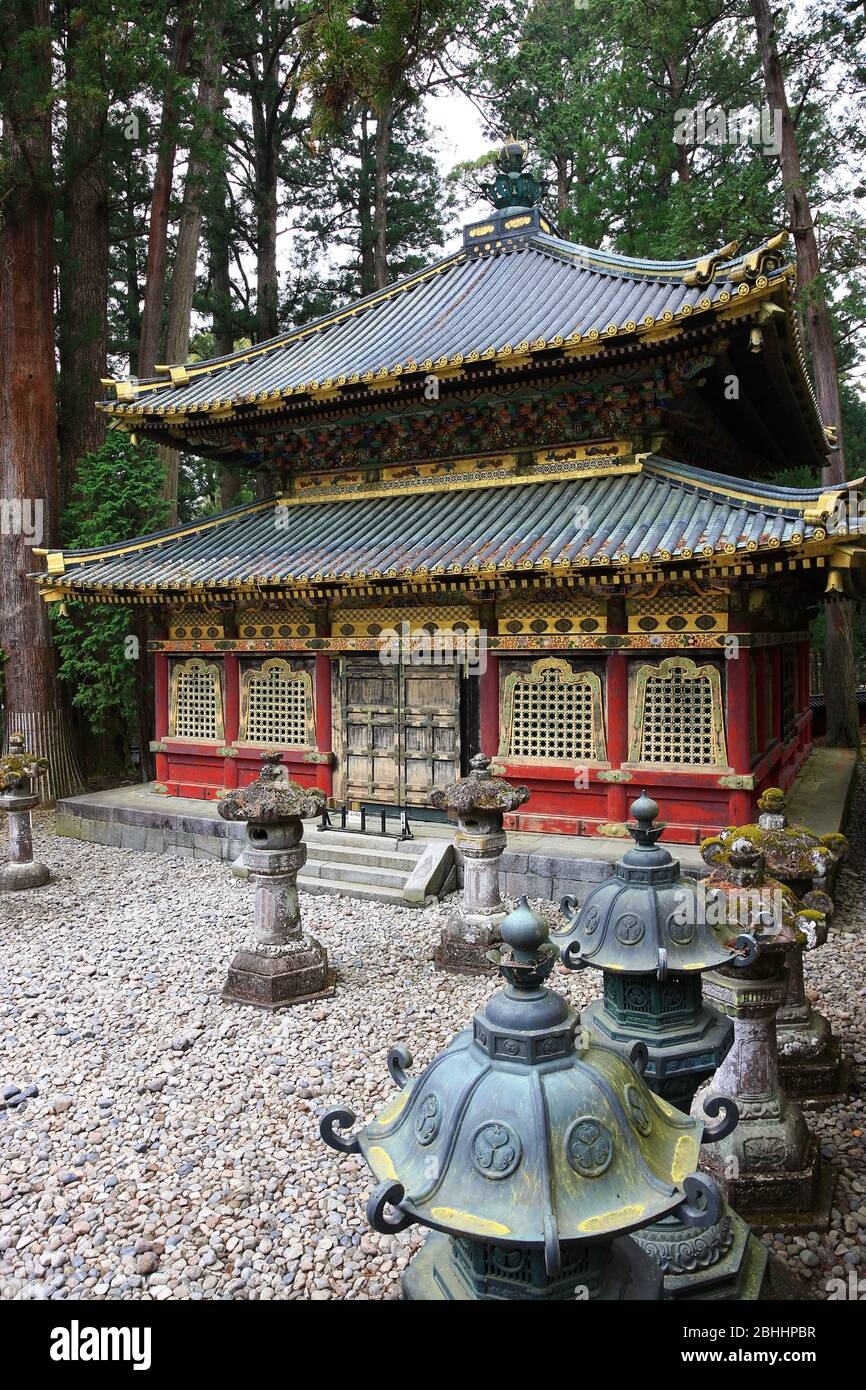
(792, 853)
(478, 792)
(271, 797)
(526, 1132)
(20, 768)
(764, 906)
(647, 918)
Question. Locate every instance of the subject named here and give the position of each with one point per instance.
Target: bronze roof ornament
(513, 186)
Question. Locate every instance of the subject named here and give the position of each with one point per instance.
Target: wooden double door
(400, 730)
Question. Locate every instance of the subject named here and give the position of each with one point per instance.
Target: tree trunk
(228, 480)
(83, 337)
(133, 289)
(28, 412)
(365, 211)
(265, 202)
(384, 120)
(563, 183)
(188, 239)
(843, 727)
(154, 288)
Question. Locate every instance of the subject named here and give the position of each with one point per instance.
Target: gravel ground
(170, 1146)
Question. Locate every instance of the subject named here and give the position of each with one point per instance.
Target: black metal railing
(381, 813)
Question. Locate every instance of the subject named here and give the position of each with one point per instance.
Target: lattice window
(277, 706)
(789, 693)
(552, 712)
(196, 701)
(678, 715)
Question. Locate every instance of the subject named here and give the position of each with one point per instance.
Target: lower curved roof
(665, 512)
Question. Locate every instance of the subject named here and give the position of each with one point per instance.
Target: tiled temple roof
(665, 512)
(502, 299)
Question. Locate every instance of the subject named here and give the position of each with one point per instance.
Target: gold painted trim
(249, 354)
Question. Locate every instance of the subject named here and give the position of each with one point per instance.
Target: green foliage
(117, 495)
(332, 250)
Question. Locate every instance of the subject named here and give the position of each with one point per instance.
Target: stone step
(369, 891)
(355, 839)
(357, 873)
(324, 850)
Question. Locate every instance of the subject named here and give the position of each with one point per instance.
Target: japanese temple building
(521, 505)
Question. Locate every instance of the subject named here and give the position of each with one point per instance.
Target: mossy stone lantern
(644, 929)
(772, 1172)
(19, 771)
(282, 965)
(812, 1067)
(478, 803)
(530, 1150)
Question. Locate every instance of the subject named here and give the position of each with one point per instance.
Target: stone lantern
(812, 1068)
(530, 1150)
(283, 965)
(478, 803)
(645, 929)
(18, 796)
(772, 1172)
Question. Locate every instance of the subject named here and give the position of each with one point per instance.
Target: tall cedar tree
(28, 415)
(843, 727)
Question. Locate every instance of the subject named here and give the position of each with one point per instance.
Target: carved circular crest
(428, 1119)
(679, 932)
(588, 1146)
(589, 920)
(629, 929)
(496, 1150)
(638, 1110)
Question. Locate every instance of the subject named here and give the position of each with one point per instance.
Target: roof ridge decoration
(513, 187)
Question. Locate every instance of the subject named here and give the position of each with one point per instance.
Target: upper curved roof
(502, 299)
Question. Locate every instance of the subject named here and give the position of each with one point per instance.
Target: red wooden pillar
(618, 727)
(738, 683)
(776, 658)
(762, 732)
(231, 714)
(488, 706)
(324, 723)
(160, 699)
(804, 692)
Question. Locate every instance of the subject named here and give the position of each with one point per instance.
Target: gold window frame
(565, 676)
(260, 674)
(664, 670)
(213, 672)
